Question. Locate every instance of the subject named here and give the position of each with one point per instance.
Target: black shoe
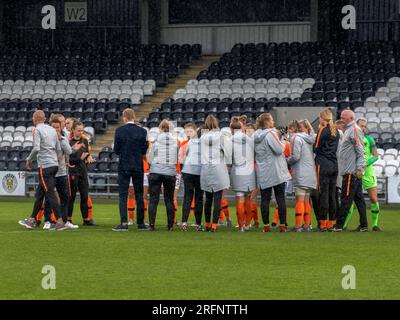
(171, 228)
(121, 227)
(151, 228)
(199, 228)
(360, 229)
(208, 229)
(143, 227)
(376, 229)
(89, 223)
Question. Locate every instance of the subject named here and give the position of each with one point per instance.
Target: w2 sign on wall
(75, 11)
(12, 183)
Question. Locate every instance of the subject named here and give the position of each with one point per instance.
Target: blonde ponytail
(332, 127)
(328, 116)
(306, 124)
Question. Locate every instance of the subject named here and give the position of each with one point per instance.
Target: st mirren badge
(10, 183)
(398, 189)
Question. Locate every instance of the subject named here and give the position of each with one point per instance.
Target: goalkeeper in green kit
(369, 179)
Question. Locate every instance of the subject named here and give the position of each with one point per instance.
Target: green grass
(96, 263)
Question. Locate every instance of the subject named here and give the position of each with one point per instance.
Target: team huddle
(327, 170)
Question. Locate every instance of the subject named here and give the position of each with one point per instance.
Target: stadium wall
(106, 20)
(283, 115)
(218, 38)
(376, 20)
(1, 23)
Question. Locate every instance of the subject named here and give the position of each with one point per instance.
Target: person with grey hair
(351, 166)
(46, 150)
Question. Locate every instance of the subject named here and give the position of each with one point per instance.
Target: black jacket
(79, 167)
(131, 144)
(325, 149)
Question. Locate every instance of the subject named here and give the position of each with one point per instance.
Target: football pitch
(97, 263)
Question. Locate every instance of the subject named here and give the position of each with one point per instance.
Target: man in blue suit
(131, 144)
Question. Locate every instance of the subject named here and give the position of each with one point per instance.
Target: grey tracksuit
(271, 167)
(163, 155)
(339, 178)
(243, 175)
(351, 155)
(46, 146)
(66, 151)
(216, 154)
(66, 133)
(302, 161)
(192, 163)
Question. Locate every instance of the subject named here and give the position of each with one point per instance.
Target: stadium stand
(254, 78)
(86, 62)
(383, 114)
(250, 80)
(82, 81)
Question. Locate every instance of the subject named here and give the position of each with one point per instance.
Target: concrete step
(151, 103)
(147, 110)
(104, 140)
(179, 83)
(210, 58)
(166, 93)
(194, 71)
(108, 136)
(190, 77)
(155, 99)
(198, 66)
